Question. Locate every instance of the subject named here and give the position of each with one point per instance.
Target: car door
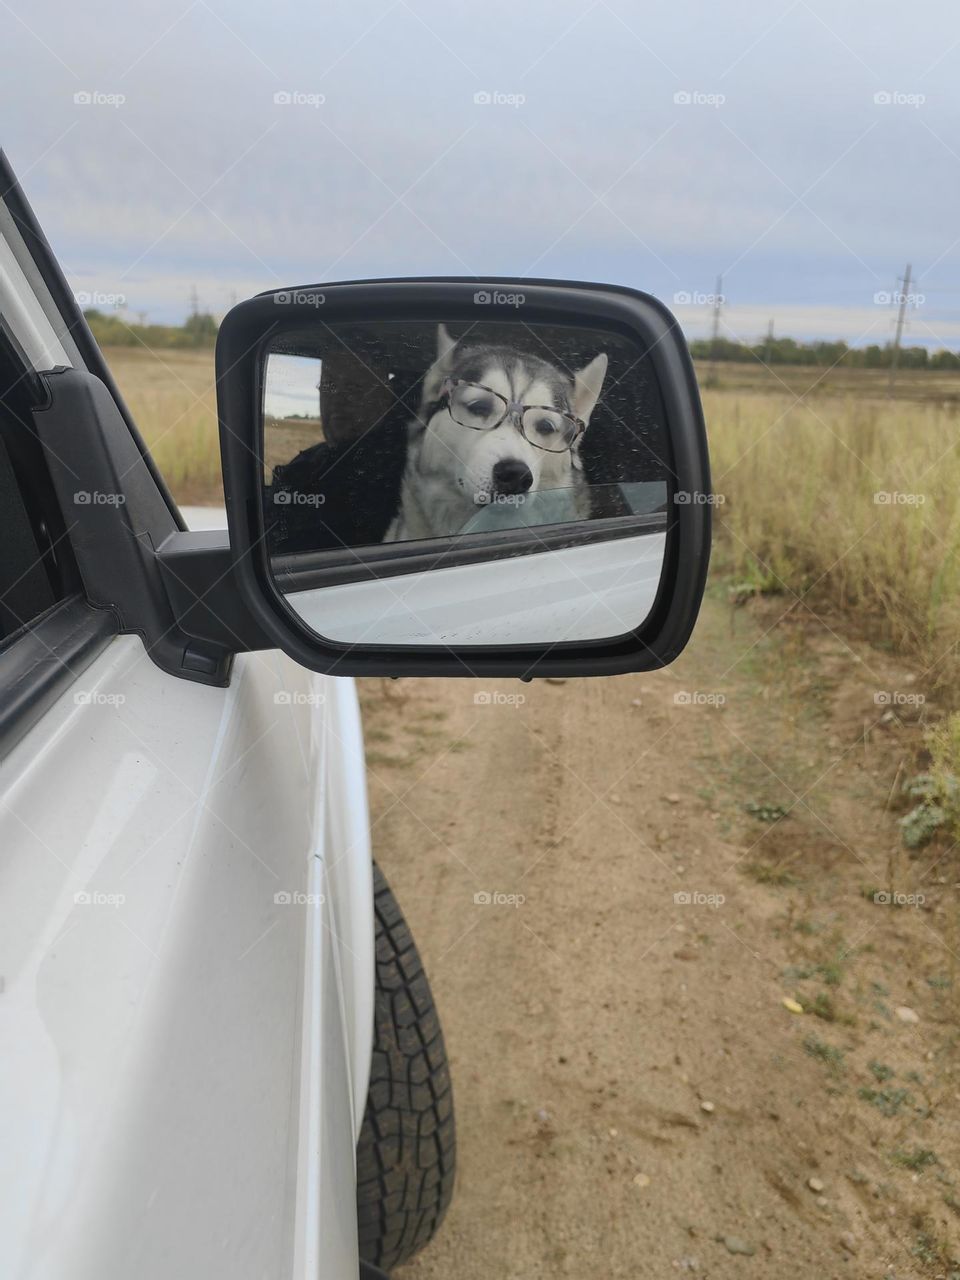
(186, 931)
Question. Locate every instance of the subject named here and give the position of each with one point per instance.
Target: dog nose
(510, 475)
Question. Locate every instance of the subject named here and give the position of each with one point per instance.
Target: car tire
(406, 1155)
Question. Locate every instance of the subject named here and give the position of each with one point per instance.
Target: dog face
(480, 465)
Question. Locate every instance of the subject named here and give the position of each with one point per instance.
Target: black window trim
(44, 658)
(310, 570)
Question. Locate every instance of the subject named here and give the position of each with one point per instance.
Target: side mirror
(427, 478)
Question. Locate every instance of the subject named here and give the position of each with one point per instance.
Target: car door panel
(188, 1004)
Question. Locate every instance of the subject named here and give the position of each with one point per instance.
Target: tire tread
(406, 1156)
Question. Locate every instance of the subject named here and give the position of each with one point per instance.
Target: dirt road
(615, 884)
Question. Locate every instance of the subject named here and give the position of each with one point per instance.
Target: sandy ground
(633, 1096)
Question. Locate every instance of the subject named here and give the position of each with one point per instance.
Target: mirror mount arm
(116, 517)
(197, 574)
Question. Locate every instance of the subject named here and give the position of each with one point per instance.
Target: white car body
(186, 938)
(184, 1058)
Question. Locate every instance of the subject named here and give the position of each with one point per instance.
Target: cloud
(778, 167)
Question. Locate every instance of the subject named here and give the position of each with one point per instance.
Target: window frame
(42, 659)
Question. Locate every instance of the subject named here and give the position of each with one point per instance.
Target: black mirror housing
(254, 327)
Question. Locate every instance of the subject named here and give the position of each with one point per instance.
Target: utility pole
(194, 301)
(715, 332)
(901, 317)
(768, 346)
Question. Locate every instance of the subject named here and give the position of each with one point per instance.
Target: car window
(29, 315)
(36, 564)
(26, 590)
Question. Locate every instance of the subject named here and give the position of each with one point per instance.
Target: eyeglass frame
(514, 408)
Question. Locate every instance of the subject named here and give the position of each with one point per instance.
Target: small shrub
(917, 1160)
(937, 792)
(880, 1071)
(828, 1054)
(887, 1101)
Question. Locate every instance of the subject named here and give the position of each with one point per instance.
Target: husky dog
(493, 425)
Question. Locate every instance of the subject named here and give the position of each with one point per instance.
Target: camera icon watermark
(498, 298)
(684, 498)
(298, 698)
(496, 98)
(697, 98)
(94, 898)
(897, 98)
(694, 898)
(884, 498)
(96, 98)
(884, 899)
(498, 899)
(484, 498)
(96, 698)
(299, 298)
(98, 299)
(296, 98)
(896, 297)
(697, 298)
(493, 698)
(94, 498)
(697, 698)
(894, 698)
(297, 498)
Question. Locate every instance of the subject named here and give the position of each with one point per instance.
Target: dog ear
(586, 386)
(433, 378)
(445, 343)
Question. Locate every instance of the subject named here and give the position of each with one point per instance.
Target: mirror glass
(469, 484)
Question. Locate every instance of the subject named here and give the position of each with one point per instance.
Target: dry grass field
(173, 400)
(830, 491)
(849, 501)
(917, 385)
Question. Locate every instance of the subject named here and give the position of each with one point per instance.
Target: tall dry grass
(172, 397)
(846, 502)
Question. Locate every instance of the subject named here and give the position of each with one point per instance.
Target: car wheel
(406, 1155)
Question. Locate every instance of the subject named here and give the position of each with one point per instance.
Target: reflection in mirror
(525, 466)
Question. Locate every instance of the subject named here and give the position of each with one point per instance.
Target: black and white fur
(451, 470)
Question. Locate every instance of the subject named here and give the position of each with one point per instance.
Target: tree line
(112, 331)
(201, 331)
(789, 351)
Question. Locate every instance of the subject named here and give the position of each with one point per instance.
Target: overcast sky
(778, 166)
